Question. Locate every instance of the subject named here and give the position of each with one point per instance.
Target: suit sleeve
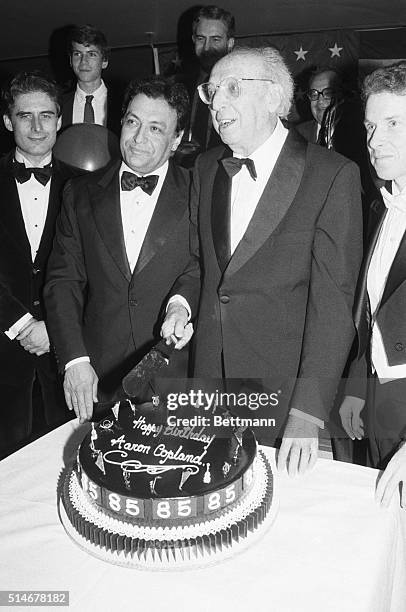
(65, 289)
(329, 328)
(11, 309)
(188, 284)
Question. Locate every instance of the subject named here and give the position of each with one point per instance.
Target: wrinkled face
(211, 42)
(385, 124)
(324, 80)
(246, 121)
(148, 133)
(87, 62)
(34, 122)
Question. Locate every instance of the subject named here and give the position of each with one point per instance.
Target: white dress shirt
(390, 235)
(245, 192)
(137, 208)
(34, 207)
(99, 104)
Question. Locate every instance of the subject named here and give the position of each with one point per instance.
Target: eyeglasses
(327, 94)
(230, 84)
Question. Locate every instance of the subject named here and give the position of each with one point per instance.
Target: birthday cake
(147, 493)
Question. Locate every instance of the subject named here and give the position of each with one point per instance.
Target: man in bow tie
(280, 246)
(122, 240)
(31, 183)
(376, 389)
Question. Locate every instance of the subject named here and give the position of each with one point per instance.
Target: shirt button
(399, 346)
(224, 299)
(133, 303)
(35, 303)
(36, 270)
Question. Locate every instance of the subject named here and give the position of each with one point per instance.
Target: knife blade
(140, 377)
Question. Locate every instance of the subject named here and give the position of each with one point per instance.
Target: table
(330, 549)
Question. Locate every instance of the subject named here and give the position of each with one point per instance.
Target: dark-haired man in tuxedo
(91, 101)
(122, 240)
(31, 183)
(375, 404)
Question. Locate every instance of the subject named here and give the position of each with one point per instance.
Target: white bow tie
(394, 202)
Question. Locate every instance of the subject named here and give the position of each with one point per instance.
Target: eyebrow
(30, 112)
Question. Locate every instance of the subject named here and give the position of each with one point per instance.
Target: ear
(7, 123)
(70, 61)
(274, 97)
(177, 140)
(59, 123)
(105, 63)
(230, 44)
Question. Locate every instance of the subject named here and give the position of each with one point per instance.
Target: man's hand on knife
(80, 387)
(175, 327)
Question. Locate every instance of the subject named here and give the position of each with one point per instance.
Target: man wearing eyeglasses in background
(279, 222)
(337, 123)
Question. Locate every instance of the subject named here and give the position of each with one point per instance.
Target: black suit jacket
(95, 305)
(282, 307)
(21, 279)
(114, 103)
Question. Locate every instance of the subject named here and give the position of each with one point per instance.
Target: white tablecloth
(330, 549)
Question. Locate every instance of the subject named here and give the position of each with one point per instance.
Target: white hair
(275, 69)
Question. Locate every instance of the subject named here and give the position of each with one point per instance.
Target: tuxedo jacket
(282, 307)
(390, 315)
(114, 103)
(21, 279)
(95, 305)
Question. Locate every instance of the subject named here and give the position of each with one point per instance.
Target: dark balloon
(87, 146)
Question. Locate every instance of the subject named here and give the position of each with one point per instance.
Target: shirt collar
(19, 157)
(98, 94)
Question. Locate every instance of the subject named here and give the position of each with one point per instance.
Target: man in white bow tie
(377, 384)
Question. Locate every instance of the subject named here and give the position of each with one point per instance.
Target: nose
(219, 99)
(139, 134)
(374, 138)
(207, 44)
(36, 124)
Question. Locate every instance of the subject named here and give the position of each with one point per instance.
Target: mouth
(225, 123)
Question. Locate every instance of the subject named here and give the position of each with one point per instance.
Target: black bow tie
(232, 165)
(130, 181)
(23, 174)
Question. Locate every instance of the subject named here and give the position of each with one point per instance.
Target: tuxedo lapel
(11, 216)
(361, 311)
(55, 194)
(220, 216)
(275, 201)
(170, 207)
(397, 272)
(67, 108)
(105, 201)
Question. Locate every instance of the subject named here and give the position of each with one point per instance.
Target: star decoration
(335, 51)
(301, 55)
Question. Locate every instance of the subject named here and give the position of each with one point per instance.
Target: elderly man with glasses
(279, 227)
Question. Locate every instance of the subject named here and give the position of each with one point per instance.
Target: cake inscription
(130, 446)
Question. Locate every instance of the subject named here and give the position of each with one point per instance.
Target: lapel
(55, 194)
(397, 272)
(170, 207)
(67, 108)
(361, 310)
(274, 202)
(11, 216)
(105, 202)
(220, 214)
